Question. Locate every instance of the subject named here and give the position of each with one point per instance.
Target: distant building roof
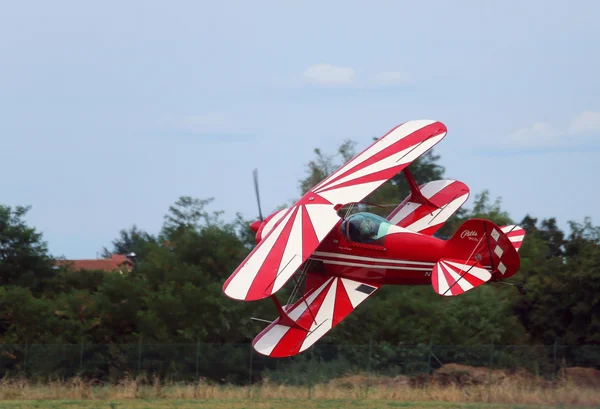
(115, 263)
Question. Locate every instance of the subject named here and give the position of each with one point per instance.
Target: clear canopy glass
(365, 227)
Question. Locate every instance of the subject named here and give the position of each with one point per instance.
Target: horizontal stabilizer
(426, 210)
(299, 326)
(516, 235)
(455, 277)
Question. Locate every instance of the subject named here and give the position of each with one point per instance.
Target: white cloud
(329, 74)
(334, 75)
(583, 128)
(391, 77)
(585, 122)
(538, 134)
(212, 121)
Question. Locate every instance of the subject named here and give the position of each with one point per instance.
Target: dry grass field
(352, 391)
(455, 386)
(258, 404)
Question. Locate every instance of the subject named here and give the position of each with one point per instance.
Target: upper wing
(447, 195)
(304, 225)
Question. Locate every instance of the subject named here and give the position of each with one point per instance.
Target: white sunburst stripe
(459, 278)
(294, 243)
(240, 283)
(301, 308)
(406, 210)
(350, 193)
(420, 149)
(322, 216)
(432, 188)
(383, 164)
(428, 190)
(356, 297)
(438, 216)
(445, 268)
(405, 156)
(443, 285)
(325, 310)
(359, 191)
(267, 343)
(397, 134)
(480, 273)
(272, 222)
(374, 259)
(378, 266)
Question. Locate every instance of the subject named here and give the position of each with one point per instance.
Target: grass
(252, 403)
(356, 391)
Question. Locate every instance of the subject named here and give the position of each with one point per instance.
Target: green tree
(323, 165)
(130, 241)
(24, 258)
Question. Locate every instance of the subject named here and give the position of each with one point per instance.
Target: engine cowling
(262, 229)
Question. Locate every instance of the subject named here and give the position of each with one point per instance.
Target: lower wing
(300, 325)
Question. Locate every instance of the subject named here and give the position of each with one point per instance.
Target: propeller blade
(257, 195)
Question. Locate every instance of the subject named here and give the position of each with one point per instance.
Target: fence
(240, 364)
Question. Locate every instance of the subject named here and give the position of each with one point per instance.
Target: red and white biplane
(342, 260)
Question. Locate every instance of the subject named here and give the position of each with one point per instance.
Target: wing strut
(416, 195)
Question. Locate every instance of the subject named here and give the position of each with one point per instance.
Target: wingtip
(237, 295)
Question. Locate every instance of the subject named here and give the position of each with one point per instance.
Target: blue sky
(111, 111)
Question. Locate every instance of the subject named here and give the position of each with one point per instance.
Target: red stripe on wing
(384, 174)
(343, 305)
(453, 288)
(412, 139)
(309, 236)
(441, 198)
(291, 342)
(473, 280)
(265, 278)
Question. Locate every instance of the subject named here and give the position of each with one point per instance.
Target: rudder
(482, 241)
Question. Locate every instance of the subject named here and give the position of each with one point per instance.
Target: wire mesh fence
(239, 364)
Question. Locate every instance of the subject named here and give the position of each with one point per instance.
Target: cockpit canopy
(365, 227)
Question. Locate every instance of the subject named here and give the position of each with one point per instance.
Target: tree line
(174, 293)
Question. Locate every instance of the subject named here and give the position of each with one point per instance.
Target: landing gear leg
(522, 290)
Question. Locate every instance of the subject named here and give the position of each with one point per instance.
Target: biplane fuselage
(400, 257)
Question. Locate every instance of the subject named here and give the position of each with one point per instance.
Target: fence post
(429, 363)
(140, 357)
(555, 364)
(81, 358)
(490, 373)
(197, 368)
(310, 371)
(25, 359)
(250, 371)
(369, 366)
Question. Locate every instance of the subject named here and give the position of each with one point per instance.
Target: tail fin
(516, 235)
(482, 241)
(427, 208)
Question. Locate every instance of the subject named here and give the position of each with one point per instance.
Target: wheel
(522, 290)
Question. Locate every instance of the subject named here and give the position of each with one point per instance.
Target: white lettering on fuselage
(468, 233)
